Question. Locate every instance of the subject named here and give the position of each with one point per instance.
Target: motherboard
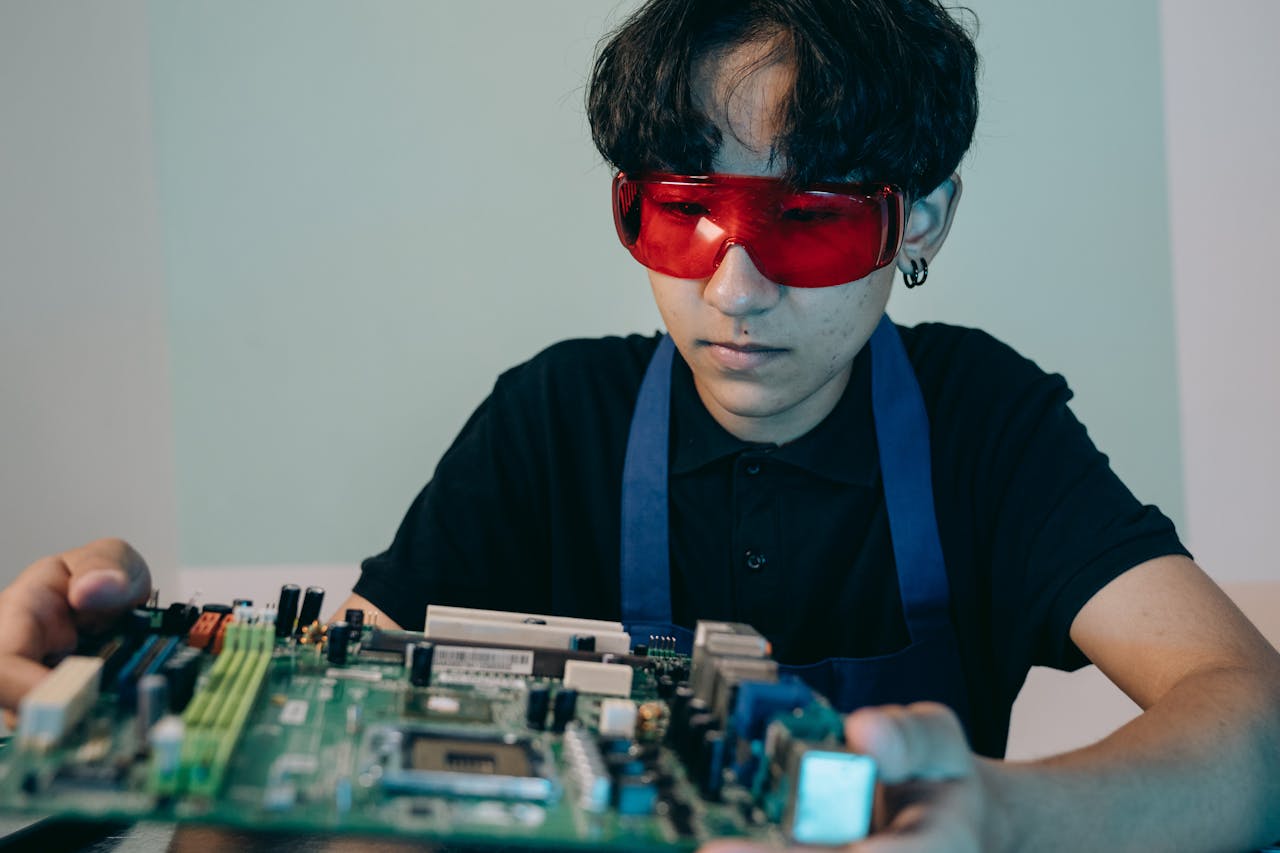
(486, 729)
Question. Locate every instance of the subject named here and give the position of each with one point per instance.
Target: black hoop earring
(919, 273)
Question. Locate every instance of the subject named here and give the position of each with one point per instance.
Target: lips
(744, 347)
(734, 356)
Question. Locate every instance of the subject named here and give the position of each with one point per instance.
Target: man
(912, 516)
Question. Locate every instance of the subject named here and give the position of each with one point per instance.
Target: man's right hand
(55, 599)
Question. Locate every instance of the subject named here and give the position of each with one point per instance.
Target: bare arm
(1196, 771)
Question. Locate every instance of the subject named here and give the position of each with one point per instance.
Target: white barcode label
(512, 661)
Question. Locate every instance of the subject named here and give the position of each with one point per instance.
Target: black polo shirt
(523, 512)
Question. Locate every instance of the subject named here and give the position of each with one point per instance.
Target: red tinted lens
(817, 237)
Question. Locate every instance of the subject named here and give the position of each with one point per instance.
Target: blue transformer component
(759, 701)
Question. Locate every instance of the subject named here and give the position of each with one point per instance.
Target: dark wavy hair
(885, 90)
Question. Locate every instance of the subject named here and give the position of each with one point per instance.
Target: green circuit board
(392, 733)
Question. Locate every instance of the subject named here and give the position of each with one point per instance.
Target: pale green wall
(1061, 246)
(369, 210)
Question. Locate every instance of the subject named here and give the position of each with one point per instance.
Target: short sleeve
(1055, 523)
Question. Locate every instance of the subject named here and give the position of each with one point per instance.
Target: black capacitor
(181, 671)
(566, 706)
(420, 664)
(536, 710)
(583, 642)
(686, 706)
(679, 702)
(178, 619)
(338, 639)
(355, 621)
(710, 764)
(689, 744)
(680, 814)
(310, 607)
(136, 625)
(641, 650)
(666, 686)
(287, 609)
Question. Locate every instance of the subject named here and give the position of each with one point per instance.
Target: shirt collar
(841, 448)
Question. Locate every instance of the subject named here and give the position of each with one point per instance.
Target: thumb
(98, 598)
(103, 579)
(102, 589)
(920, 741)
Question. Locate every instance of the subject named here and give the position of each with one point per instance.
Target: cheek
(663, 295)
(845, 323)
(676, 299)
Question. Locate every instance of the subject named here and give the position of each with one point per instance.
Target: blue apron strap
(646, 553)
(906, 467)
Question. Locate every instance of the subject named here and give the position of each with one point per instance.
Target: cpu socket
(424, 761)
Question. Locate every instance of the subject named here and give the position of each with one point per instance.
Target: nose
(737, 288)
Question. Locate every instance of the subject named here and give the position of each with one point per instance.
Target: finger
(35, 626)
(106, 575)
(897, 844)
(35, 620)
(920, 741)
(927, 817)
(57, 600)
(17, 676)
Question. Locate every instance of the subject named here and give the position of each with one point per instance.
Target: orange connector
(203, 632)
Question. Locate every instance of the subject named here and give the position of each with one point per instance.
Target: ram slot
(236, 713)
(219, 710)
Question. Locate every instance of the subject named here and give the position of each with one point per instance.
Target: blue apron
(929, 667)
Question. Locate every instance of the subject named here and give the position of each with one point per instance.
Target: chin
(751, 402)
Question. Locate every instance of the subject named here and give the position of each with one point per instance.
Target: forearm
(1196, 772)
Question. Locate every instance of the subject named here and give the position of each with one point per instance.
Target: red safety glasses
(819, 236)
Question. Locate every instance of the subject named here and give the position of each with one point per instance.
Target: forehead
(743, 90)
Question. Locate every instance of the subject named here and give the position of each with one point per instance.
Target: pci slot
(146, 661)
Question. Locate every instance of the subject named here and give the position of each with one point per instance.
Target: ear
(929, 222)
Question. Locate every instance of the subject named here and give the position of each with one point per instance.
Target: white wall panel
(1222, 87)
(85, 421)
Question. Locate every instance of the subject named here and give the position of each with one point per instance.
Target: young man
(913, 516)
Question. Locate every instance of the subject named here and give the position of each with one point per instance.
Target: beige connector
(57, 703)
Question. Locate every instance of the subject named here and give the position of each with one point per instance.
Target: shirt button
(755, 560)
(753, 468)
